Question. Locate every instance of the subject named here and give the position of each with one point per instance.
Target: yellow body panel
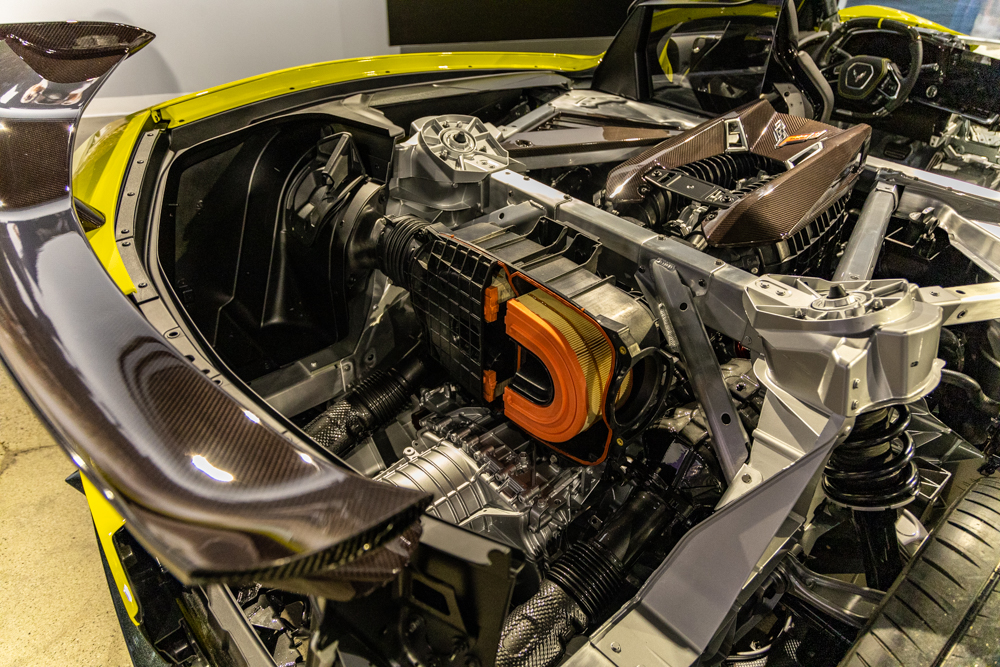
(665, 18)
(99, 167)
(247, 91)
(108, 522)
(877, 12)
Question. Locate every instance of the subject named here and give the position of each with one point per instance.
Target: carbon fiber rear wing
(204, 484)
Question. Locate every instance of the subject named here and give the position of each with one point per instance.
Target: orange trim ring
(567, 414)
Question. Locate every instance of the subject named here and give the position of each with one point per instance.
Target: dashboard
(953, 78)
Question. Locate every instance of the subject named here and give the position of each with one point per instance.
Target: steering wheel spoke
(831, 73)
(892, 84)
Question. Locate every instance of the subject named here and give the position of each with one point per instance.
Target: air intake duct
(581, 584)
(522, 317)
(398, 246)
(376, 400)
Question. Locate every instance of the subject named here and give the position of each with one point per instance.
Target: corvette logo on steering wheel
(859, 74)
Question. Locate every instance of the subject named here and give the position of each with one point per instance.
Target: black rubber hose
(398, 245)
(980, 401)
(581, 584)
(592, 571)
(375, 401)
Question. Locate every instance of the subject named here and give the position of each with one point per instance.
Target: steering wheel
(869, 87)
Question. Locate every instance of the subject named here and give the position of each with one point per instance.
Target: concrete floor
(59, 609)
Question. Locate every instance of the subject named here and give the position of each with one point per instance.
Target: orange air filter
(576, 354)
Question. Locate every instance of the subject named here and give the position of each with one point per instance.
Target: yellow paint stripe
(108, 522)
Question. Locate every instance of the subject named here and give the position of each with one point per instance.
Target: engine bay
(460, 288)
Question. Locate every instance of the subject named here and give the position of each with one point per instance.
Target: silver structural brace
(858, 262)
(677, 312)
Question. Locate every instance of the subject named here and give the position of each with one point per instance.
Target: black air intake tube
(581, 584)
(376, 400)
(398, 245)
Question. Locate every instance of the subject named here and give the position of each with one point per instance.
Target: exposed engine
(488, 476)
(498, 325)
(564, 403)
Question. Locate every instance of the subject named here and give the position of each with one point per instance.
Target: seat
(804, 69)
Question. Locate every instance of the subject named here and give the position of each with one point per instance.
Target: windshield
(711, 59)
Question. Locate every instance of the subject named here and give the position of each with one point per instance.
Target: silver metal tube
(858, 262)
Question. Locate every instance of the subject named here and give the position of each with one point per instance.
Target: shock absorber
(872, 472)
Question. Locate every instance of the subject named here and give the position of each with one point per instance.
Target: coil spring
(873, 469)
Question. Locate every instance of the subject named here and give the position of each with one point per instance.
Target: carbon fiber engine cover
(811, 165)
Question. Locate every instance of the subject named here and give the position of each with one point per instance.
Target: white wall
(203, 43)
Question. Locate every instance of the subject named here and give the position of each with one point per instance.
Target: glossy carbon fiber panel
(30, 176)
(790, 200)
(73, 52)
(205, 484)
(793, 198)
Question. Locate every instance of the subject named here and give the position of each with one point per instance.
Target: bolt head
(746, 478)
(616, 647)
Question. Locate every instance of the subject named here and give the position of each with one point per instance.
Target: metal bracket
(125, 219)
(965, 304)
(736, 136)
(678, 313)
(844, 601)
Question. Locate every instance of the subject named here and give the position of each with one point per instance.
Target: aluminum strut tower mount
(847, 347)
(833, 349)
(827, 352)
